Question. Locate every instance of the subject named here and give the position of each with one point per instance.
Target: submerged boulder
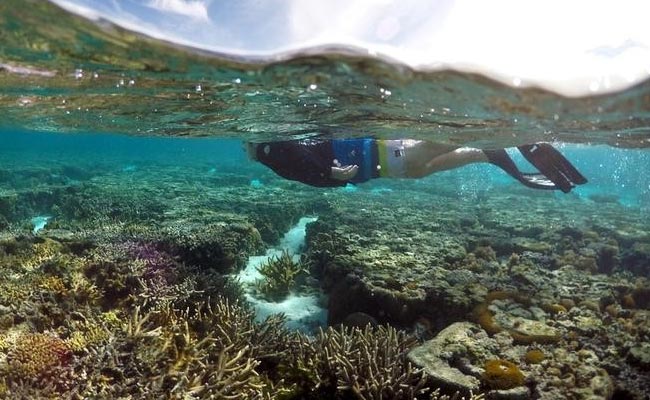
(447, 359)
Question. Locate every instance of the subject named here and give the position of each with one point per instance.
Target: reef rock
(447, 358)
(640, 355)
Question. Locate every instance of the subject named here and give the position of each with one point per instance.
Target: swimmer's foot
(553, 165)
(555, 171)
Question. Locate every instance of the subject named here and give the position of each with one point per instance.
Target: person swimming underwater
(337, 162)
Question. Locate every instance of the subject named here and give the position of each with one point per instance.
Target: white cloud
(190, 8)
(575, 48)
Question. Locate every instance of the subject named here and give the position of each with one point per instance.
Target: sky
(575, 48)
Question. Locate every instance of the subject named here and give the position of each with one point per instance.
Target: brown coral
(534, 356)
(502, 374)
(38, 360)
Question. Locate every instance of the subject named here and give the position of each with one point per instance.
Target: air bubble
(385, 93)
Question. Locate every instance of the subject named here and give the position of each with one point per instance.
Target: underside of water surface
(81, 76)
(144, 255)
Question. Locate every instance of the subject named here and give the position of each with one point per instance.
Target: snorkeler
(336, 162)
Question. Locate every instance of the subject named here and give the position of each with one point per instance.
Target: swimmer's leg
(452, 159)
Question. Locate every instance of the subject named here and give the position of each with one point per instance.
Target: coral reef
(126, 292)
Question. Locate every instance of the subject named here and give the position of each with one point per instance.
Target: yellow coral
(96, 334)
(34, 356)
(87, 333)
(54, 285)
(83, 289)
(12, 292)
(502, 375)
(76, 341)
(280, 273)
(534, 356)
(111, 319)
(41, 252)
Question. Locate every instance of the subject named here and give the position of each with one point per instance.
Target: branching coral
(15, 290)
(280, 273)
(37, 359)
(114, 274)
(26, 254)
(368, 363)
(209, 351)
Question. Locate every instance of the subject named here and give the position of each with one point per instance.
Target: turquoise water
(141, 250)
(611, 172)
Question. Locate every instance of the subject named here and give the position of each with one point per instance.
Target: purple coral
(159, 265)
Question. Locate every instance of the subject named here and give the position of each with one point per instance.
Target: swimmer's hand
(344, 173)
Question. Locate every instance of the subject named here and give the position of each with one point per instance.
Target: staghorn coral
(88, 330)
(129, 273)
(209, 351)
(38, 360)
(25, 254)
(53, 285)
(15, 290)
(235, 324)
(40, 253)
(83, 291)
(158, 265)
(115, 276)
(280, 273)
(368, 363)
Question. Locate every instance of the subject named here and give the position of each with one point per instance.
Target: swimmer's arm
(344, 173)
(324, 168)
